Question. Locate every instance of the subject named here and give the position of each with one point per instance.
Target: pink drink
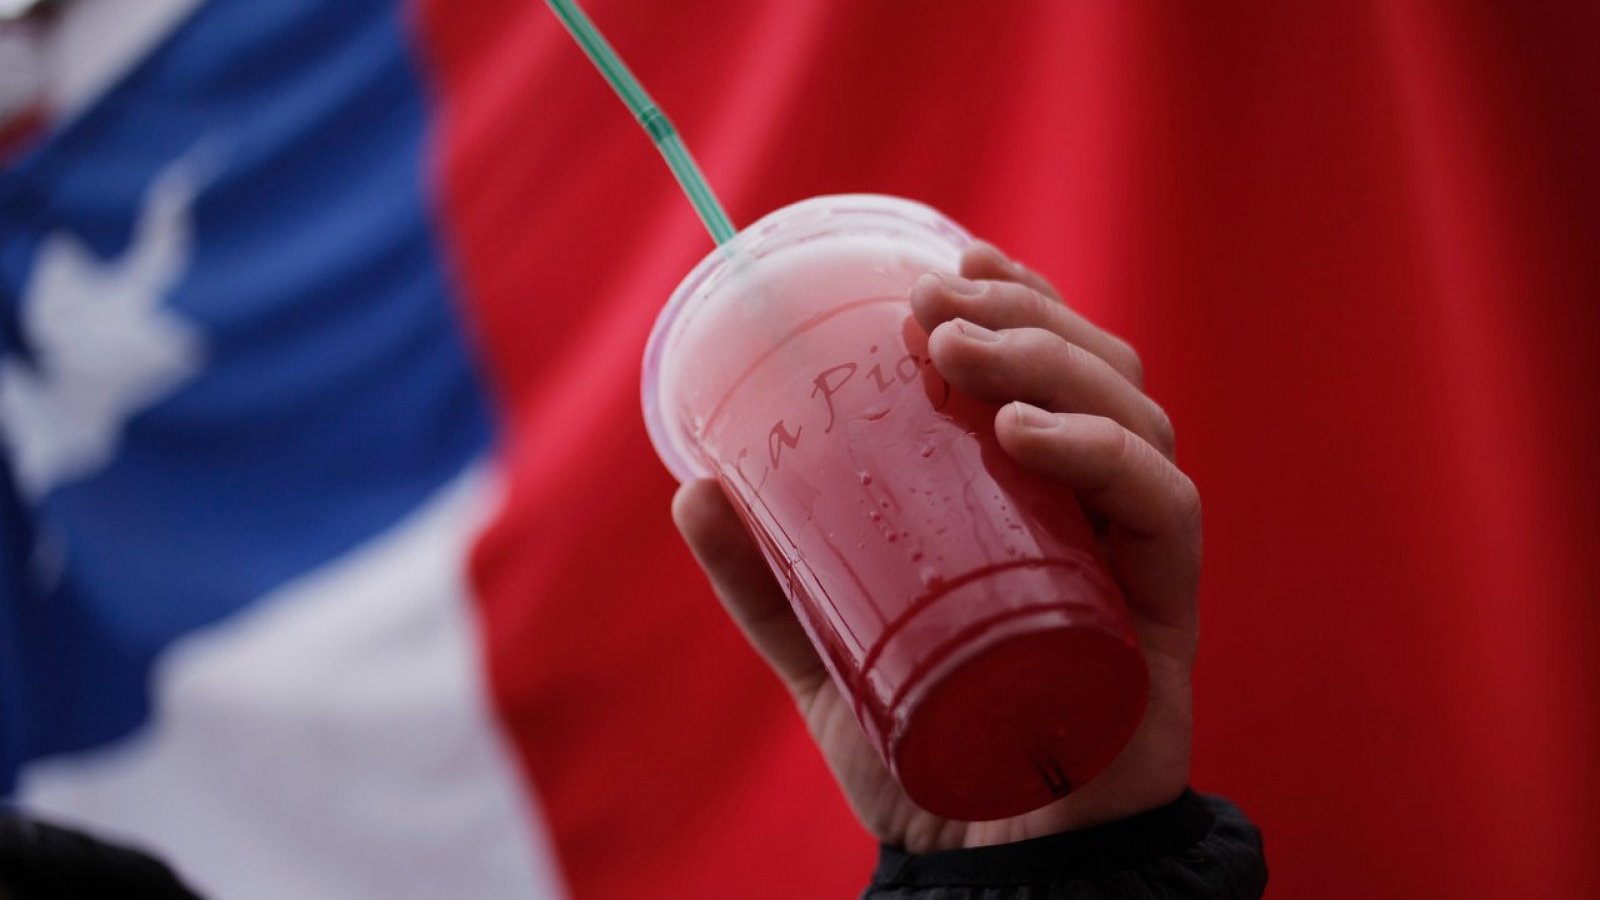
(958, 601)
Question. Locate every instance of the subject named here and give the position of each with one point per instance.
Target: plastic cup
(959, 602)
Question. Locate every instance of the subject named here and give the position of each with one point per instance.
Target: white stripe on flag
(95, 43)
(333, 740)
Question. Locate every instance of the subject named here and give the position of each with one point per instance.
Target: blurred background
(362, 582)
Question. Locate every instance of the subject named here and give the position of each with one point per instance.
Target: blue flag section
(230, 350)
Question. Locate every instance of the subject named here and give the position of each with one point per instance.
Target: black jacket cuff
(1193, 846)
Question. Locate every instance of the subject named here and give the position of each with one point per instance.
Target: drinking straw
(649, 116)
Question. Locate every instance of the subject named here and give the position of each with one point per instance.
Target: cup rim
(680, 464)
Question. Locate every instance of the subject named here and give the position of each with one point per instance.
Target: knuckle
(1070, 361)
(1188, 502)
(1063, 370)
(1110, 440)
(1033, 350)
(1028, 306)
(1041, 341)
(1041, 303)
(1126, 360)
(1165, 436)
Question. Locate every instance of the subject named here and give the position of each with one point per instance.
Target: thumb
(745, 585)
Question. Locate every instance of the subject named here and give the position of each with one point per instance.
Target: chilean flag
(335, 563)
(319, 563)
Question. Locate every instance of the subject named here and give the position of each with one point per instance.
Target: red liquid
(958, 601)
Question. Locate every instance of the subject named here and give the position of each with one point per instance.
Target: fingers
(1042, 368)
(745, 585)
(998, 294)
(983, 260)
(1153, 508)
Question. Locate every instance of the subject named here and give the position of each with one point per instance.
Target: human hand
(1074, 412)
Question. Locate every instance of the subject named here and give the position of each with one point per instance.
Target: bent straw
(644, 109)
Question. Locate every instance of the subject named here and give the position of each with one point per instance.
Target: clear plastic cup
(959, 602)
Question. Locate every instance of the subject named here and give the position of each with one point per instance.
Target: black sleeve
(43, 862)
(1196, 846)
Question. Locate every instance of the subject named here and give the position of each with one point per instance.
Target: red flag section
(1355, 245)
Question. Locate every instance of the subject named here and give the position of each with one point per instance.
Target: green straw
(644, 109)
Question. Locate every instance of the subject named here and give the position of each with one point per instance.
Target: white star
(103, 345)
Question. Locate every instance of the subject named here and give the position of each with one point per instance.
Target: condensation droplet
(865, 478)
(876, 413)
(926, 451)
(874, 515)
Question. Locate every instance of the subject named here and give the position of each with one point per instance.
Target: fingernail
(961, 287)
(1032, 416)
(976, 332)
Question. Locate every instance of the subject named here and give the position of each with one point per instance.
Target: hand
(1073, 412)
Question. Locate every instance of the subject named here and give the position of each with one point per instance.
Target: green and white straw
(649, 116)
